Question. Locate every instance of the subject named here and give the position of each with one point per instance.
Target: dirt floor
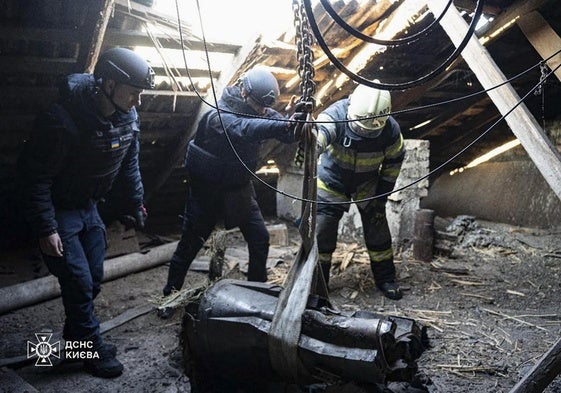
(489, 299)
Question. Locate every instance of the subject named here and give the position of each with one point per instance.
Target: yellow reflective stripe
(391, 173)
(380, 256)
(368, 164)
(395, 149)
(366, 190)
(345, 158)
(322, 186)
(349, 159)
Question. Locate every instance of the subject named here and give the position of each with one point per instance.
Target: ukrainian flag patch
(115, 143)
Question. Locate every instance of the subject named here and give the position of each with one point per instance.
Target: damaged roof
(42, 41)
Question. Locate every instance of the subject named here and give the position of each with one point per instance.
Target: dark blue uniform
(220, 186)
(70, 162)
(353, 167)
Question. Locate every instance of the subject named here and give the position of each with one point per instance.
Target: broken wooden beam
(543, 372)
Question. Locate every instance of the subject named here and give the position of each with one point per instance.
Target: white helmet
(364, 103)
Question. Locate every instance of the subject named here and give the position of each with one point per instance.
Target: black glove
(297, 126)
(136, 219)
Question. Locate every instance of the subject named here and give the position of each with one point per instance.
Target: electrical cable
(372, 40)
(441, 166)
(392, 86)
(401, 111)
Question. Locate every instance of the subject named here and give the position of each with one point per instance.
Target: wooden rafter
(521, 121)
(543, 38)
(92, 39)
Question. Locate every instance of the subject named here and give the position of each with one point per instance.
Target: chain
(304, 54)
(544, 72)
(540, 90)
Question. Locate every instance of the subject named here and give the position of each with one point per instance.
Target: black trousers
(207, 205)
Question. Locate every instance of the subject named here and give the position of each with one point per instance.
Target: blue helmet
(125, 66)
(261, 85)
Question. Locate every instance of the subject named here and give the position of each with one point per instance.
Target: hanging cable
(448, 161)
(392, 86)
(373, 40)
(408, 110)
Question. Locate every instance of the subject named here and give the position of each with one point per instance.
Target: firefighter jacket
(226, 143)
(352, 166)
(74, 155)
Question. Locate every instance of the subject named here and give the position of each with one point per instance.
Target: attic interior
(43, 41)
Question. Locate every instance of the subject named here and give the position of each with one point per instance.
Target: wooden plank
(37, 65)
(116, 37)
(14, 33)
(182, 72)
(524, 126)
(543, 38)
(170, 93)
(502, 23)
(508, 18)
(177, 155)
(543, 372)
(145, 13)
(92, 34)
(125, 317)
(16, 384)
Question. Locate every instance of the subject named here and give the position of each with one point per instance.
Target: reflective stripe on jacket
(355, 166)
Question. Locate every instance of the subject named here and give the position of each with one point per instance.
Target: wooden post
(423, 235)
(90, 45)
(543, 372)
(520, 120)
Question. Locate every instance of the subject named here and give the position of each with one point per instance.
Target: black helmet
(124, 66)
(261, 85)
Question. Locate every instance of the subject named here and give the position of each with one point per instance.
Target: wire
(392, 86)
(396, 42)
(441, 166)
(418, 108)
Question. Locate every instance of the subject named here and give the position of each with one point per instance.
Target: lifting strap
(304, 276)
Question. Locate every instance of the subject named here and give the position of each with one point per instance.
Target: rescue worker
(359, 159)
(77, 148)
(220, 186)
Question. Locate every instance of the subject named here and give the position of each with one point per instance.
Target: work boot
(390, 290)
(384, 277)
(165, 312)
(106, 366)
